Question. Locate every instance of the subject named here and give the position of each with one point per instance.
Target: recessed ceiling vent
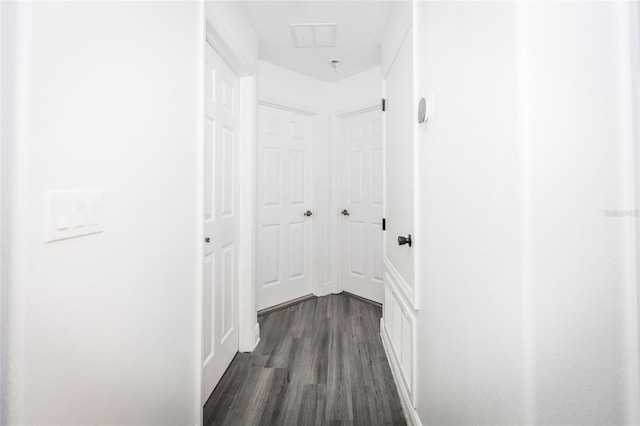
(313, 35)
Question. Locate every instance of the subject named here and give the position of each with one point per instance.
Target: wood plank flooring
(320, 362)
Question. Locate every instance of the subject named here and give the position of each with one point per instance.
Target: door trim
(359, 109)
(336, 131)
(287, 106)
(248, 328)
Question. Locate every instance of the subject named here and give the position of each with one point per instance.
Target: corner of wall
(396, 30)
(228, 19)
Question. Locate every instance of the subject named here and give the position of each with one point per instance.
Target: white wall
(394, 34)
(583, 295)
(469, 348)
(278, 83)
(8, 123)
(229, 20)
(356, 91)
(101, 329)
(528, 300)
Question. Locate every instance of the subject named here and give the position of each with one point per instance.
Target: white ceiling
(359, 29)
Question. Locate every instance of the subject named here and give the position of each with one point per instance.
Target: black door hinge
(384, 224)
(384, 104)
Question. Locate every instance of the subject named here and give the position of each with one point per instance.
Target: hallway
(171, 170)
(318, 362)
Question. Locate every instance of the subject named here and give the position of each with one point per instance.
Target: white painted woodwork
(398, 324)
(398, 164)
(398, 333)
(361, 195)
(220, 276)
(284, 195)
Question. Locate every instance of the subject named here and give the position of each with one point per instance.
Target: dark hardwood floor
(320, 362)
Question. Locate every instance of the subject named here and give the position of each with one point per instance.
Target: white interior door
(399, 174)
(284, 196)
(361, 205)
(220, 251)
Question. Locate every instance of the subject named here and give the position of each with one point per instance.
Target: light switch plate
(73, 214)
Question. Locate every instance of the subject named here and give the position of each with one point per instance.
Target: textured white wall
(583, 284)
(469, 346)
(528, 290)
(101, 329)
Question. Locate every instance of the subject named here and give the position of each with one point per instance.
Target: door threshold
(285, 305)
(364, 299)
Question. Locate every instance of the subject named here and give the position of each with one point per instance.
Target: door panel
(356, 248)
(361, 196)
(270, 163)
(284, 194)
(355, 177)
(297, 177)
(227, 175)
(219, 286)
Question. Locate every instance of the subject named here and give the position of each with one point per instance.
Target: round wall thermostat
(422, 111)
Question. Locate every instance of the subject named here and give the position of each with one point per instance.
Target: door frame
(316, 230)
(336, 131)
(248, 328)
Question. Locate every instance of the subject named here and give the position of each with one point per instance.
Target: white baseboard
(327, 288)
(256, 335)
(410, 412)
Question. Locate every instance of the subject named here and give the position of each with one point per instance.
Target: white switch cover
(73, 214)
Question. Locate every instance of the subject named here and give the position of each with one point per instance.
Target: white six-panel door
(220, 251)
(361, 205)
(284, 195)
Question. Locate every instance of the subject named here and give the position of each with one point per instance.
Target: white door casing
(284, 195)
(361, 184)
(220, 248)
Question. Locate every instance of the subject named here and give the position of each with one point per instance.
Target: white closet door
(361, 205)
(399, 174)
(284, 196)
(220, 249)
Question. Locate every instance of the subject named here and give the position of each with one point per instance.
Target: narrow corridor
(318, 362)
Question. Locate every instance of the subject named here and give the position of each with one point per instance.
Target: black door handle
(207, 240)
(307, 213)
(345, 212)
(404, 240)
